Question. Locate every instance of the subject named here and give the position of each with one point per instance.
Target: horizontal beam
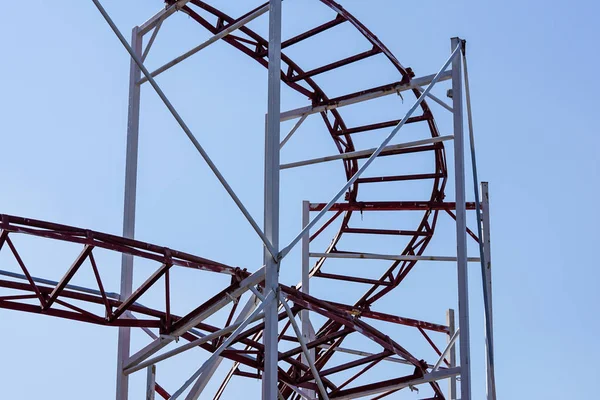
(366, 153)
(395, 319)
(354, 279)
(370, 256)
(395, 384)
(393, 232)
(337, 64)
(398, 178)
(321, 28)
(380, 125)
(390, 206)
(415, 83)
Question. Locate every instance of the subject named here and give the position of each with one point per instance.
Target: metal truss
(272, 336)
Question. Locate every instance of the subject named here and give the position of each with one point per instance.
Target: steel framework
(274, 335)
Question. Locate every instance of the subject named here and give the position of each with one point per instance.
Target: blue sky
(64, 105)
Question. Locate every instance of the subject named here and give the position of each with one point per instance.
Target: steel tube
(271, 202)
(131, 164)
(461, 224)
(489, 317)
(370, 256)
(307, 332)
(151, 40)
(438, 100)
(367, 152)
(364, 353)
(450, 321)
(151, 382)
(484, 246)
(292, 131)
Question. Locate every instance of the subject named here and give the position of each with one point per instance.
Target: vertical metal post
(133, 124)
(489, 340)
(271, 209)
(307, 332)
(461, 225)
(452, 355)
(151, 382)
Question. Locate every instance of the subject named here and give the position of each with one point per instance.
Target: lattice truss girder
(66, 300)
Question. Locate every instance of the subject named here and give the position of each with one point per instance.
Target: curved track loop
(342, 320)
(302, 81)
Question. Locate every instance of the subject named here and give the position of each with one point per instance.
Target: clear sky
(534, 89)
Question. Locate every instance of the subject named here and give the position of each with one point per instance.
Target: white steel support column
(271, 208)
(151, 382)
(487, 256)
(461, 225)
(131, 160)
(307, 332)
(452, 355)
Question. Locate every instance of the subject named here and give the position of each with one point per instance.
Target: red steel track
(60, 299)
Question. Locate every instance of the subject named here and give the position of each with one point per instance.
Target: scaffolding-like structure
(275, 313)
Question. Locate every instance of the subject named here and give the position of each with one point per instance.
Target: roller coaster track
(28, 293)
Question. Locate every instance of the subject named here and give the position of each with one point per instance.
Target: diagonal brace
(186, 129)
(87, 250)
(309, 358)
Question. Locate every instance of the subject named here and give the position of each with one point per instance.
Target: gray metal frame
(272, 300)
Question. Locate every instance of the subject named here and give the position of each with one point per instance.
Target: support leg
(489, 340)
(271, 214)
(133, 124)
(151, 382)
(461, 225)
(307, 333)
(452, 356)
